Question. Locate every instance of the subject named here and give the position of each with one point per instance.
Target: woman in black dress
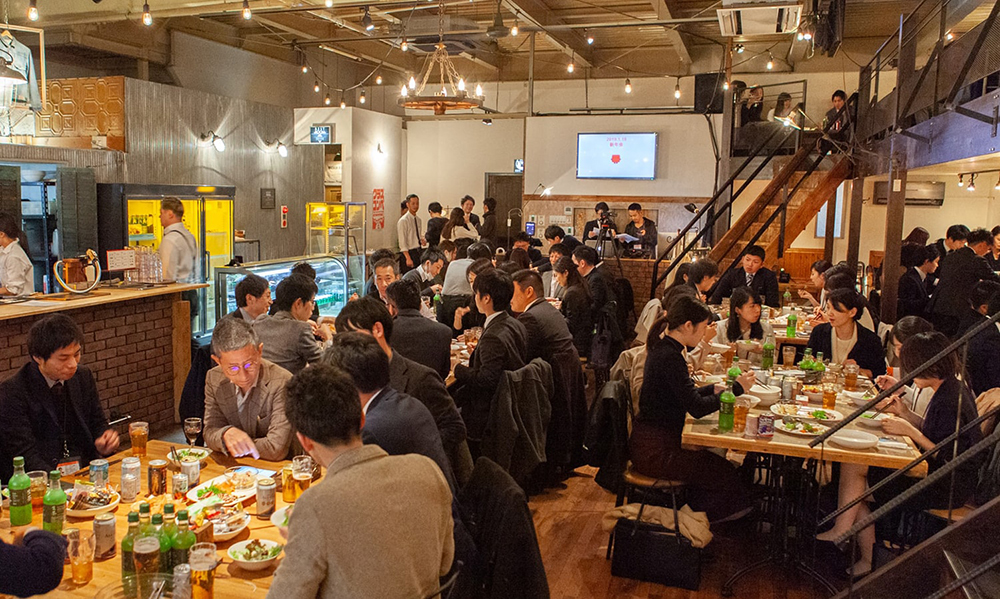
(951, 397)
(668, 395)
(576, 304)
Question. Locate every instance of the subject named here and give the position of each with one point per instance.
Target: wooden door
(507, 189)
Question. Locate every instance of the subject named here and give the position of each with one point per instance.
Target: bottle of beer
(20, 495)
(54, 505)
(128, 555)
(183, 541)
(727, 406)
(767, 358)
(165, 544)
(169, 521)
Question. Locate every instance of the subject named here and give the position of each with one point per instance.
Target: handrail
(895, 33)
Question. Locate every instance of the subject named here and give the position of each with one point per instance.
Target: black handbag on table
(652, 553)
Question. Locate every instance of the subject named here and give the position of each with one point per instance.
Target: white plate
(853, 439)
(254, 565)
(232, 533)
(278, 517)
(241, 495)
(806, 413)
(870, 422)
(94, 511)
(780, 426)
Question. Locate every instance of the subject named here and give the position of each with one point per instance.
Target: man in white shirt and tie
(408, 232)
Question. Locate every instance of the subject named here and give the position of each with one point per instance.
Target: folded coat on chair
(693, 525)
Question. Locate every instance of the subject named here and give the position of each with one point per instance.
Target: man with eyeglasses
(290, 339)
(245, 396)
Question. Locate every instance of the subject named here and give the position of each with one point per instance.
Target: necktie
(416, 225)
(749, 279)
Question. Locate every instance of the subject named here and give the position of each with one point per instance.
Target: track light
(327, 100)
(961, 181)
(514, 29)
(366, 21)
(770, 61)
(247, 14)
(316, 87)
(361, 98)
(211, 139)
(972, 182)
(628, 86)
(412, 83)
(677, 89)
(590, 37)
(147, 18)
(740, 48)
(33, 10)
(378, 80)
(403, 91)
(403, 45)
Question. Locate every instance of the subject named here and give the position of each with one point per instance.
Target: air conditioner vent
(749, 19)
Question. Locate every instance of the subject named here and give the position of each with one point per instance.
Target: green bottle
(786, 298)
(145, 523)
(734, 371)
(54, 505)
(183, 541)
(727, 405)
(767, 358)
(169, 521)
(792, 325)
(818, 365)
(128, 555)
(165, 545)
(20, 495)
(807, 362)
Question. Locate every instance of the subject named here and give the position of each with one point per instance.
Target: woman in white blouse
(744, 322)
(17, 276)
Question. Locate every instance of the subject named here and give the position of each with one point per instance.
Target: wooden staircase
(813, 193)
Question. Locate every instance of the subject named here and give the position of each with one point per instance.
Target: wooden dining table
(232, 582)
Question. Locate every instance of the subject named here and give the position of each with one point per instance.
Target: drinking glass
(740, 411)
(851, 377)
(192, 428)
(138, 432)
(203, 561)
(788, 356)
(146, 554)
(81, 556)
(287, 488)
(302, 471)
(830, 392)
(39, 484)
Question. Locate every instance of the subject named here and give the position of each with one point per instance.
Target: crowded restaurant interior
(475, 299)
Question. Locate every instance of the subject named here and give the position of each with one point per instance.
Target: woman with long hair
(818, 280)
(782, 107)
(843, 340)
(576, 304)
(680, 275)
(668, 395)
(456, 228)
(17, 275)
(744, 322)
(519, 256)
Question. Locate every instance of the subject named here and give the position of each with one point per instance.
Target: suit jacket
(423, 340)
(419, 381)
(547, 283)
(983, 358)
(867, 350)
(913, 295)
(502, 347)
(30, 414)
(547, 332)
(289, 343)
(601, 291)
(765, 283)
(375, 526)
(263, 416)
(958, 274)
(434, 226)
(417, 279)
(237, 313)
(400, 424)
(489, 230)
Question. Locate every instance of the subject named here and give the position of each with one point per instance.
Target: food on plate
(812, 389)
(241, 479)
(156, 503)
(224, 518)
(803, 427)
(785, 409)
(192, 453)
(819, 415)
(222, 490)
(89, 499)
(256, 551)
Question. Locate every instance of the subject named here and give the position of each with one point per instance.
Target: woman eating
(950, 398)
(576, 304)
(456, 228)
(843, 339)
(668, 395)
(818, 280)
(744, 322)
(468, 316)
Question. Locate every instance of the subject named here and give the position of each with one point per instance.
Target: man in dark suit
(601, 290)
(253, 298)
(983, 357)
(959, 273)
(50, 411)
(370, 288)
(555, 234)
(547, 331)
(406, 376)
(524, 241)
(913, 293)
(421, 339)
(489, 231)
(431, 263)
(502, 347)
(752, 274)
(592, 229)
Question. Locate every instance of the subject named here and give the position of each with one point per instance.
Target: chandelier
(452, 94)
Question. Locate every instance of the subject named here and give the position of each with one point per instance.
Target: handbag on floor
(649, 552)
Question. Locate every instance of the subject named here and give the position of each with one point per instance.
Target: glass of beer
(851, 377)
(81, 556)
(287, 490)
(138, 432)
(146, 554)
(203, 561)
(39, 484)
(302, 471)
(740, 411)
(788, 356)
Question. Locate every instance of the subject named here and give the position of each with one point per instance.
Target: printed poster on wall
(378, 209)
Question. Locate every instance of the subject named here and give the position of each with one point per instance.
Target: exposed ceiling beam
(663, 12)
(75, 38)
(538, 14)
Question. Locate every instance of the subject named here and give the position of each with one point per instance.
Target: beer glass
(81, 556)
(203, 561)
(851, 377)
(788, 356)
(287, 489)
(138, 432)
(39, 484)
(146, 554)
(302, 469)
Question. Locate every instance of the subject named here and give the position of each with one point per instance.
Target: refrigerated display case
(339, 229)
(331, 278)
(129, 215)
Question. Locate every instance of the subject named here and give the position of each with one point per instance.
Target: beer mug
(203, 561)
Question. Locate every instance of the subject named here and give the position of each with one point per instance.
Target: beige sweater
(375, 526)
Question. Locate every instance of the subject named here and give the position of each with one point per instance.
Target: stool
(632, 480)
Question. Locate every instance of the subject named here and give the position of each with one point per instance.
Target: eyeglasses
(247, 368)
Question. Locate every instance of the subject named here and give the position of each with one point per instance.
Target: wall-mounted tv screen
(616, 156)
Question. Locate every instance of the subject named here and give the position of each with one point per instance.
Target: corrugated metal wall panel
(108, 165)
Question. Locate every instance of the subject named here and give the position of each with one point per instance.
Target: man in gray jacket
(376, 525)
(289, 337)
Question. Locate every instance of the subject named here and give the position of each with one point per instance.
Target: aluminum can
(179, 485)
(131, 478)
(192, 468)
(266, 497)
(104, 536)
(765, 425)
(788, 389)
(157, 477)
(752, 426)
(99, 471)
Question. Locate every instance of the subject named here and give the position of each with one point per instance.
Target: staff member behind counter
(178, 249)
(17, 277)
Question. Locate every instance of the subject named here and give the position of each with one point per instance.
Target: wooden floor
(573, 546)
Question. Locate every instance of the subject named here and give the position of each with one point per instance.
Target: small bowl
(754, 400)
(718, 348)
(857, 397)
(814, 396)
(253, 566)
(768, 395)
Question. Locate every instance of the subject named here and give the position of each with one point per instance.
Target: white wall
(685, 162)
(449, 159)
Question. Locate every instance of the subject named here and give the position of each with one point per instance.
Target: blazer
(400, 424)
(601, 292)
(375, 526)
(263, 416)
(238, 313)
(414, 276)
(957, 275)
(488, 230)
(579, 313)
(983, 358)
(34, 567)
(547, 332)
(419, 381)
(502, 347)
(289, 343)
(422, 340)
(867, 350)
(434, 226)
(913, 296)
(765, 283)
(30, 415)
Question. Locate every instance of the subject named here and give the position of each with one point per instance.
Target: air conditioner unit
(755, 18)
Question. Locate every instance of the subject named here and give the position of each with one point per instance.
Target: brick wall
(640, 274)
(128, 348)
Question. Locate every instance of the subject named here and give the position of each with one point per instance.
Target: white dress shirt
(178, 250)
(408, 231)
(490, 319)
(16, 271)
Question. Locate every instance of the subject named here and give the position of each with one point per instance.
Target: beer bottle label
(19, 497)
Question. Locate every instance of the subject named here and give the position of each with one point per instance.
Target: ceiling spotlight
(692, 207)
(147, 18)
(412, 83)
(366, 21)
(972, 182)
(211, 139)
(361, 99)
(590, 37)
(628, 86)
(961, 181)
(329, 3)
(327, 100)
(677, 89)
(488, 122)
(514, 29)
(479, 90)
(247, 14)
(403, 45)
(343, 104)
(740, 48)
(403, 91)
(33, 10)
(378, 80)
(316, 87)
(770, 61)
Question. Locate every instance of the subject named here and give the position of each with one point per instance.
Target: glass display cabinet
(339, 229)
(332, 279)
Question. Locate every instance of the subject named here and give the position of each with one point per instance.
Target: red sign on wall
(378, 209)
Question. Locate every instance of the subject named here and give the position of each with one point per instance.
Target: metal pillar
(831, 223)
(531, 74)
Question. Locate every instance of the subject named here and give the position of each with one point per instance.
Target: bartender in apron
(178, 249)
(17, 276)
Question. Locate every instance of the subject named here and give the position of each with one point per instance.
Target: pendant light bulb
(770, 61)
(327, 100)
(247, 14)
(316, 87)
(725, 85)
(570, 67)
(220, 145)
(972, 182)
(740, 48)
(677, 90)
(366, 20)
(403, 91)
(33, 10)
(378, 80)
(282, 150)
(343, 104)
(461, 85)
(961, 181)
(362, 98)
(329, 3)
(590, 37)
(628, 86)
(514, 29)
(412, 83)
(479, 90)
(147, 18)
(404, 46)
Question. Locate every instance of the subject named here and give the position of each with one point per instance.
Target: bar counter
(137, 343)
